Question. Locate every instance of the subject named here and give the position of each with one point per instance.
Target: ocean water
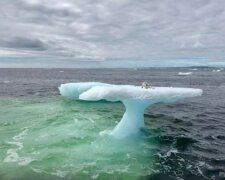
(46, 136)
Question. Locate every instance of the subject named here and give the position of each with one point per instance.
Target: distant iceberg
(193, 69)
(184, 73)
(135, 99)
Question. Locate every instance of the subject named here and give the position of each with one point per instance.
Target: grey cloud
(25, 43)
(112, 28)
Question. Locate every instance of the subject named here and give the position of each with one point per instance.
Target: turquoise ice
(135, 99)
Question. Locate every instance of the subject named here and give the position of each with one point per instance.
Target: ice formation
(135, 99)
(184, 73)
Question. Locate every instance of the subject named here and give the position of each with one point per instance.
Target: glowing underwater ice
(135, 99)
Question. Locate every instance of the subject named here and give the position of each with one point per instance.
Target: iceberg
(184, 73)
(135, 98)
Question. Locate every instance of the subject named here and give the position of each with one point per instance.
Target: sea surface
(46, 136)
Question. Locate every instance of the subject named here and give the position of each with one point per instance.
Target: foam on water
(135, 99)
(12, 153)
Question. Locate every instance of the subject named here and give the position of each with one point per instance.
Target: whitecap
(60, 173)
(12, 153)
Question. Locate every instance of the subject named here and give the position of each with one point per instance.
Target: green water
(57, 138)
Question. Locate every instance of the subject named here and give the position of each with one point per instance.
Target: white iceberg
(135, 99)
(184, 73)
(216, 70)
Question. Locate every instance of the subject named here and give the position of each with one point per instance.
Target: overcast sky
(98, 30)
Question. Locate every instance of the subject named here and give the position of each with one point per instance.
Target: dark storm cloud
(112, 28)
(25, 43)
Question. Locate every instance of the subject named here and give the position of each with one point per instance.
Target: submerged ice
(135, 99)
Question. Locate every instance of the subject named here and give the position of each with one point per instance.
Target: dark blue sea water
(44, 136)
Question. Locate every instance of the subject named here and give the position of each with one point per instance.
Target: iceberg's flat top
(94, 91)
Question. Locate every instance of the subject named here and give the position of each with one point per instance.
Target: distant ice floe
(184, 73)
(193, 69)
(135, 98)
(217, 69)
